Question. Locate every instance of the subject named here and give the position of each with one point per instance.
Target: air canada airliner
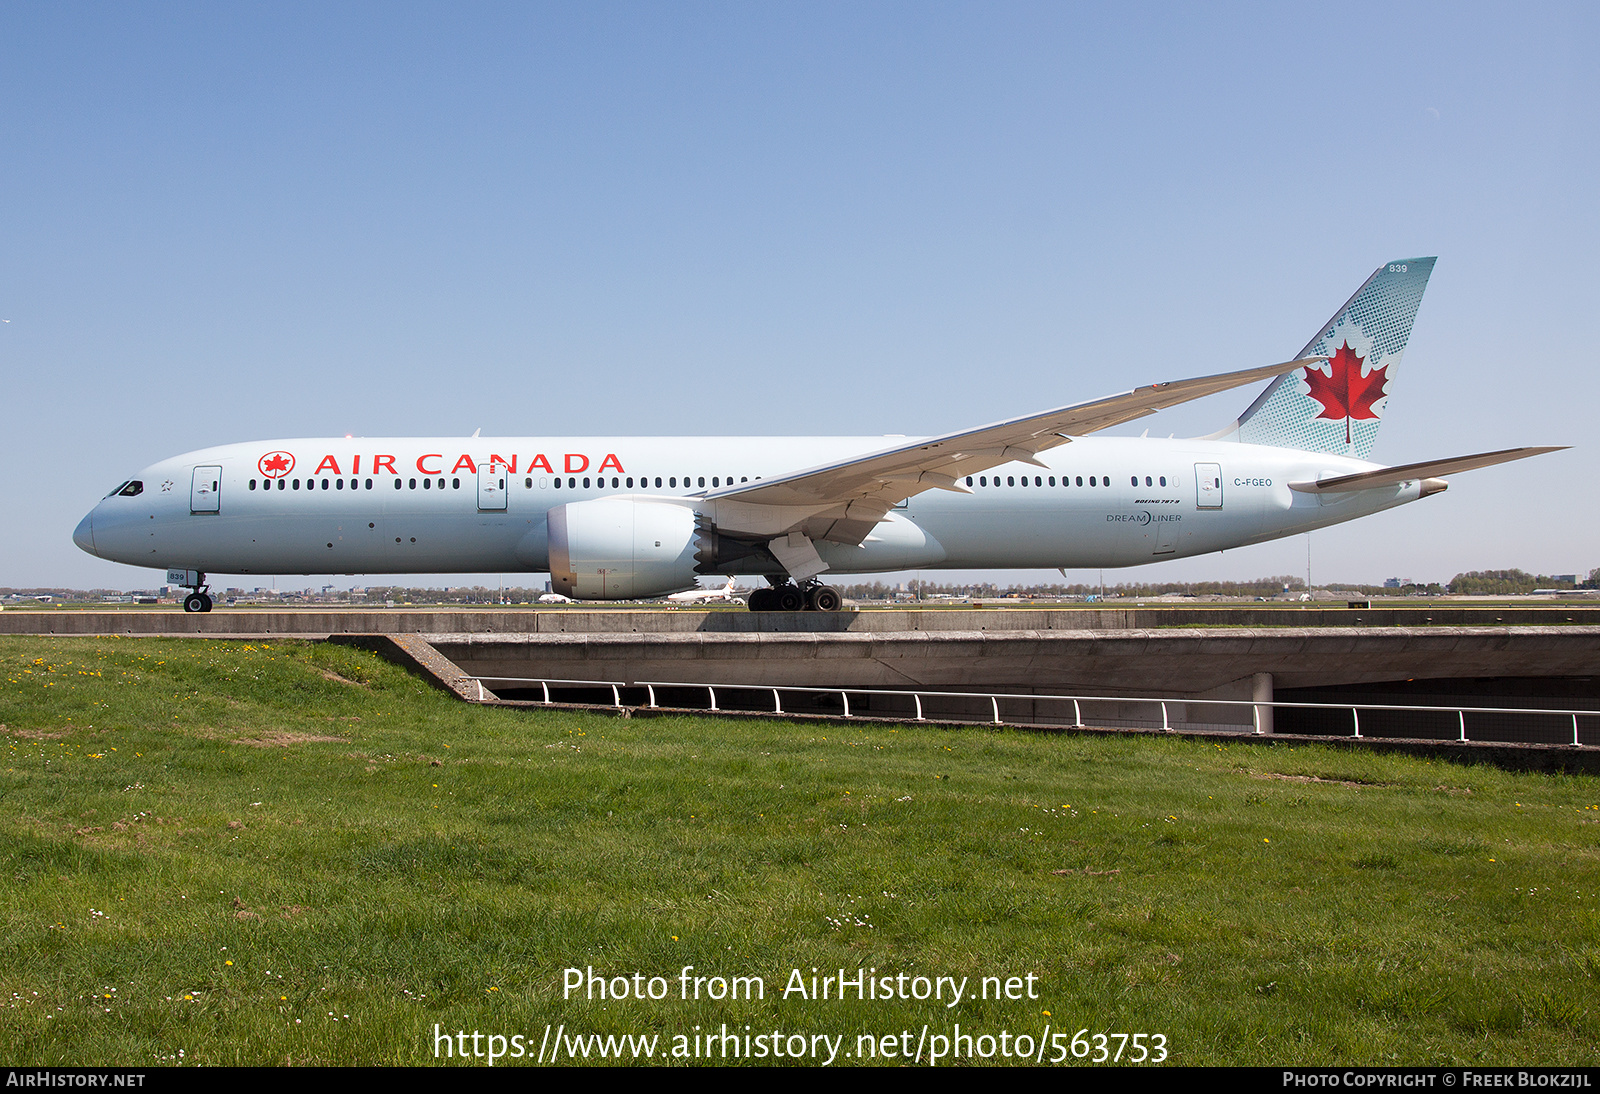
(615, 518)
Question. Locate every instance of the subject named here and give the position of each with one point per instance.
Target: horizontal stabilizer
(1390, 476)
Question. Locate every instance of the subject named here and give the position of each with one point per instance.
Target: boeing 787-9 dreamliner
(615, 518)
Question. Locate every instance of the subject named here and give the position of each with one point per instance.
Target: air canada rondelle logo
(275, 465)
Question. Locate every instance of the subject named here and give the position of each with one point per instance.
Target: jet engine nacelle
(621, 548)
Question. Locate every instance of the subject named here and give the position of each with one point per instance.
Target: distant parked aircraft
(730, 591)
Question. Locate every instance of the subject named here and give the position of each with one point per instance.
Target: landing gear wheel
(790, 598)
(197, 602)
(824, 598)
(762, 600)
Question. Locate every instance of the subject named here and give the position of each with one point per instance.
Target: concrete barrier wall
(318, 623)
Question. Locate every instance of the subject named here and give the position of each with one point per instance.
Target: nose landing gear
(198, 600)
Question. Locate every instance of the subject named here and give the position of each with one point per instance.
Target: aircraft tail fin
(1338, 407)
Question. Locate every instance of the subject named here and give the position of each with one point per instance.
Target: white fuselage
(454, 505)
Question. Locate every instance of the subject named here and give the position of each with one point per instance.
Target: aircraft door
(1208, 485)
(493, 478)
(205, 496)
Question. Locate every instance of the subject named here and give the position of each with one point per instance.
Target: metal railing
(1260, 711)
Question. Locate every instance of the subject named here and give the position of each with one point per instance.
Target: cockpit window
(117, 489)
(131, 489)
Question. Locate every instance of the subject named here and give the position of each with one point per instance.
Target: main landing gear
(197, 601)
(813, 596)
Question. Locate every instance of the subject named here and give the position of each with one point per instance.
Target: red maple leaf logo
(275, 465)
(1347, 394)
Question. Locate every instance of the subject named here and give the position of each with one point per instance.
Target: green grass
(229, 852)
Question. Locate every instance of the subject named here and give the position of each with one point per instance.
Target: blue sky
(230, 222)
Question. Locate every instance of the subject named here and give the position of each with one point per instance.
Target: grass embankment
(228, 852)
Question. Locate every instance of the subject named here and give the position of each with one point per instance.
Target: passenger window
(400, 485)
(572, 482)
(1091, 480)
(252, 484)
(674, 482)
(325, 483)
(558, 482)
(1163, 480)
(658, 482)
(702, 480)
(455, 484)
(1080, 480)
(339, 481)
(427, 484)
(1133, 480)
(297, 484)
(1052, 480)
(713, 480)
(282, 485)
(1011, 480)
(969, 480)
(413, 484)
(369, 484)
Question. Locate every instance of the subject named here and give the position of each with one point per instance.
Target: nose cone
(83, 535)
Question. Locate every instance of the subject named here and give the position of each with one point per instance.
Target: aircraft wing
(1390, 476)
(846, 499)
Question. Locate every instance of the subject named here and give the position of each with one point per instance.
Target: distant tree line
(1264, 586)
(1509, 582)
(453, 594)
